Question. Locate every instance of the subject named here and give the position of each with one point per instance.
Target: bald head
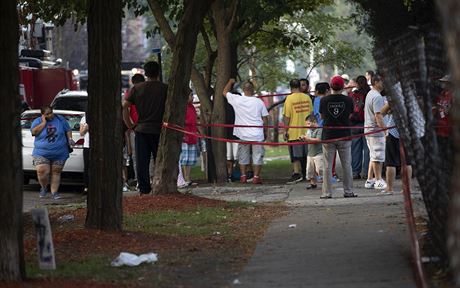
(248, 88)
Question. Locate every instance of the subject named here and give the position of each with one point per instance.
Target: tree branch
(233, 9)
(163, 23)
(207, 43)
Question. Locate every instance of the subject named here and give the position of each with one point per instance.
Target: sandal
(311, 186)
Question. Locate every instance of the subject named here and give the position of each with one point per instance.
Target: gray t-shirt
(374, 103)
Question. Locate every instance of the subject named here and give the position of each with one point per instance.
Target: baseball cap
(337, 83)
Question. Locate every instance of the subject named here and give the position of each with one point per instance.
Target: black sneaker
(350, 195)
(295, 178)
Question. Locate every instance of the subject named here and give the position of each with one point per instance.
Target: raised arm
(228, 86)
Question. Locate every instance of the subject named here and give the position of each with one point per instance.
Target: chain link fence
(411, 65)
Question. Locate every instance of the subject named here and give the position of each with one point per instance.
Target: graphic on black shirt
(335, 109)
(51, 134)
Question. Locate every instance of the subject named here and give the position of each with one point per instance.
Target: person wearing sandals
(335, 110)
(51, 149)
(315, 151)
(189, 142)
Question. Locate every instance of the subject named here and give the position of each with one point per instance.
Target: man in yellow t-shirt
(296, 108)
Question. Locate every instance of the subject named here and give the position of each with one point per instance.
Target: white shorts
(244, 154)
(376, 148)
(232, 151)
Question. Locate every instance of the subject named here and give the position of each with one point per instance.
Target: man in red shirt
(135, 79)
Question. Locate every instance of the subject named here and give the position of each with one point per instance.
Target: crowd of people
(345, 117)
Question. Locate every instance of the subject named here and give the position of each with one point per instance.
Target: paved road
(70, 193)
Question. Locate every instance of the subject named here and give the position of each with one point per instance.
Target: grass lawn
(275, 170)
(190, 235)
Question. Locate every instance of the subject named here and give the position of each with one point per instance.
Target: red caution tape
(284, 127)
(181, 129)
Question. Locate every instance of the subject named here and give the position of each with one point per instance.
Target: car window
(71, 103)
(26, 121)
(73, 120)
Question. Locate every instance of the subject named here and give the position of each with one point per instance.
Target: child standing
(315, 151)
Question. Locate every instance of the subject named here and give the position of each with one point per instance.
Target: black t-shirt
(149, 98)
(335, 110)
(229, 119)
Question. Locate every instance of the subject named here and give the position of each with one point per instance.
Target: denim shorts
(40, 160)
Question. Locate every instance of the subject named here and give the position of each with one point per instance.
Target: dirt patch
(184, 261)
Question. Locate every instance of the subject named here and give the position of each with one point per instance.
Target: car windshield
(71, 103)
(73, 120)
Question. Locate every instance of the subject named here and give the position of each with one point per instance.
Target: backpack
(358, 106)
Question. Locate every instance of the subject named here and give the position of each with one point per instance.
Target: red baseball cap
(337, 83)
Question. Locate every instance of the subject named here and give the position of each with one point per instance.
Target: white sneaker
(125, 188)
(369, 184)
(380, 184)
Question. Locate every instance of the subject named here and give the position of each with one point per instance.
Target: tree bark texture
(11, 178)
(104, 115)
(166, 166)
(223, 24)
(450, 15)
(410, 62)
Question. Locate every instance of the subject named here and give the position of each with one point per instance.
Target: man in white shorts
(249, 110)
(373, 119)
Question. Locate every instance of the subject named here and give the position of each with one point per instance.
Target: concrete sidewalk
(339, 242)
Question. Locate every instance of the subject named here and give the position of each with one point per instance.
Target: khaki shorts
(314, 166)
(244, 154)
(376, 148)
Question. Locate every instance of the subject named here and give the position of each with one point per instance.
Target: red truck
(39, 84)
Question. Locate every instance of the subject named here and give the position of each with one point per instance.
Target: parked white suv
(74, 166)
(71, 100)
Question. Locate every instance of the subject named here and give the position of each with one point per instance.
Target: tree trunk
(11, 178)
(166, 170)
(104, 117)
(223, 65)
(450, 13)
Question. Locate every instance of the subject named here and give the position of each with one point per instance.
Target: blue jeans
(146, 146)
(366, 157)
(359, 156)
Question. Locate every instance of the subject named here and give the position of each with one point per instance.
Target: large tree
(450, 10)
(104, 115)
(104, 89)
(11, 247)
(183, 44)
